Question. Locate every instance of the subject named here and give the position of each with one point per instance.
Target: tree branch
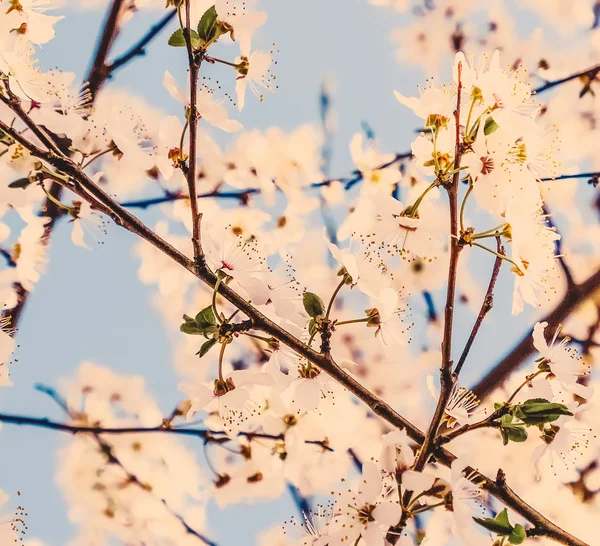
(99, 70)
(590, 72)
(139, 48)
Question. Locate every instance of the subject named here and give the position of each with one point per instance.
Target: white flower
(26, 80)
(365, 512)
(368, 160)
(254, 75)
(466, 502)
(461, 404)
(29, 17)
(564, 361)
(235, 404)
(396, 453)
(361, 266)
(432, 102)
(391, 317)
(85, 217)
(212, 111)
(238, 258)
(564, 443)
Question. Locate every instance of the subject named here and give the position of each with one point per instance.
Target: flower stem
(464, 202)
(496, 254)
(522, 385)
(221, 354)
(334, 295)
(366, 319)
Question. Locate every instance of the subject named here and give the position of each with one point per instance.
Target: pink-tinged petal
(77, 234)
(387, 513)
(369, 486)
(417, 481)
(373, 536)
(539, 340)
(307, 394)
(7, 346)
(173, 89)
(240, 91)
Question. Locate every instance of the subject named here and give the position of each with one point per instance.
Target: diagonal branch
(99, 71)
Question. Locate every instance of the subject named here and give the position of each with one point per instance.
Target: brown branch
(486, 306)
(100, 70)
(88, 190)
(194, 61)
(447, 379)
(574, 296)
(139, 49)
(589, 72)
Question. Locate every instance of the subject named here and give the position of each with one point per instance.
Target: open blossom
(239, 258)
(208, 108)
(362, 267)
(390, 315)
(564, 442)
(253, 74)
(564, 362)
(232, 395)
(365, 512)
(467, 504)
(461, 406)
(31, 18)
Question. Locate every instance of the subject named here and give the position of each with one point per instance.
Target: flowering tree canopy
(324, 329)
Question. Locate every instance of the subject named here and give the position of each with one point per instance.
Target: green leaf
(499, 525)
(490, 126)
(518, 535)
(20, 183)
(511, 432)
(516, 433)
(502, 518)
(539, 411)
(313, 304)
(206, 346)
(206, 318)
(177, 39)
(191, 329)
(207, 27)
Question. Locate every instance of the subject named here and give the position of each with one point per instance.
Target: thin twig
(591, 72)
(139, 48)
(488, 302)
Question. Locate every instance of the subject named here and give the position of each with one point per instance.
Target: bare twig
(488, 302)
(589, 72)
(139, 48)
